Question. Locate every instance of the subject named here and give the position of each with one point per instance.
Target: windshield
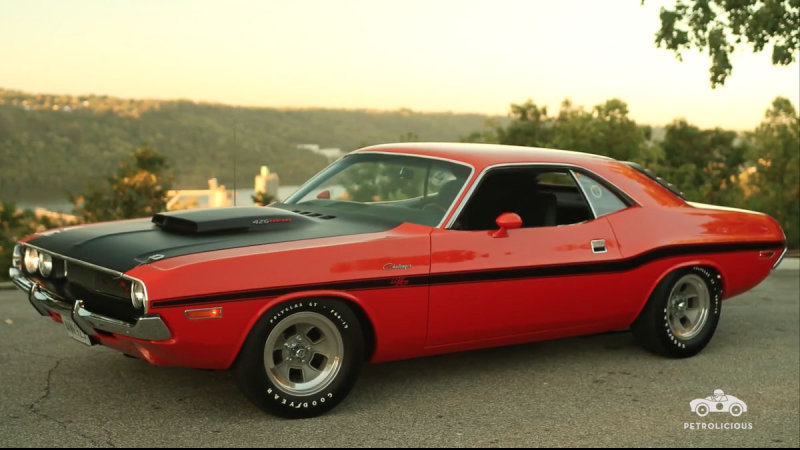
(405, 188)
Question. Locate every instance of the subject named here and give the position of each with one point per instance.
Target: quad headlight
(31, 260)
(138, 295)
(45, 264)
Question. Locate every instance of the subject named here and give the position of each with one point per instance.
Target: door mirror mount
(506, 221)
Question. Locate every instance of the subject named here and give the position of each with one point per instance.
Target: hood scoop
(230, 220)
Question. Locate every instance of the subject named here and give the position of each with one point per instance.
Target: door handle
(599, 246)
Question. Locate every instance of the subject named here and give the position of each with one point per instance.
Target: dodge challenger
(402, 251)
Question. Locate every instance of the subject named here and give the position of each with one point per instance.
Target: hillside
(54, 144)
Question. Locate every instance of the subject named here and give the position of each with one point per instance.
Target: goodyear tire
(682, 314)
(301, 358)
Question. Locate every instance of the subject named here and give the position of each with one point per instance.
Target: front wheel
(682, 314)
(301, 358)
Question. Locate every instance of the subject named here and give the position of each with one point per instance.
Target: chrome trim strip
(453, 161)
(67, 258)
(583, 192)
(780, 258)
(95, 267)
(566, 166)
(149, 328)
(311, 180)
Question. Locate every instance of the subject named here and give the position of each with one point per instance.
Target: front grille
(101, 292)
(104, 304)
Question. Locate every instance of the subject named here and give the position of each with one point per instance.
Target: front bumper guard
(149, 328)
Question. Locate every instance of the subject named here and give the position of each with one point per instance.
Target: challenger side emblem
(392, 266)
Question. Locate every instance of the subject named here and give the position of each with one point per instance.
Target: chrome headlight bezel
(138, 295)
(45, 264)
(31, 260)
(16, 257)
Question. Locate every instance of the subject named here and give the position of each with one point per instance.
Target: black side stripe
(623, 265)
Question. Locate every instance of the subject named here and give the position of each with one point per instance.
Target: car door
(548, 275)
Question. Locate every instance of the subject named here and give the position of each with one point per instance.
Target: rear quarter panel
(664, 239)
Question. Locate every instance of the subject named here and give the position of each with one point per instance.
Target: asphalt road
(592, 391)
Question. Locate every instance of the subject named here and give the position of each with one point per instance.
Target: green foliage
(408, 137)
(759, 170)
(705, 164)
(138, 189)
(718, 26)
(776, 157)
(606, 129)
(46, 152)
(16, 224)
(262, 198)
(12, 227)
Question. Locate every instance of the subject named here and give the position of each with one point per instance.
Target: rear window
(650, 174)
(601, 198)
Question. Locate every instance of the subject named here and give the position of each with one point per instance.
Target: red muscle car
(401, 251)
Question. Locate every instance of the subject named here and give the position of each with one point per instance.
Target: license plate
(74, 332)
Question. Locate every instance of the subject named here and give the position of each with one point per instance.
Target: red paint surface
(414, 320)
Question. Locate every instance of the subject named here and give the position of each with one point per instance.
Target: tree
(704, 164)
(529, 126)
(262, 198)
(776, 181)
(139, 188)
(15, 224)
(605, 130)
(12, 227)
(719, 26)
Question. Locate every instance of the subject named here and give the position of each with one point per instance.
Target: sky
(426, 55)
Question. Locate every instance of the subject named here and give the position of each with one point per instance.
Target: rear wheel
(682, 314)
(301, 358)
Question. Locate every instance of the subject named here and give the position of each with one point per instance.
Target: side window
(603, 201)
(542, 197)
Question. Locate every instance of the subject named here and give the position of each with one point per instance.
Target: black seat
(539, 211)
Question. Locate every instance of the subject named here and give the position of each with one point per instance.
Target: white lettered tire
(301, 358)
(682, 314)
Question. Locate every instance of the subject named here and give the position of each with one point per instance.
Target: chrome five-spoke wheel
(688, 306)
(682, 313)
(304, 354)
(302, 357)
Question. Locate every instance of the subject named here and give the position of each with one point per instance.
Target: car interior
(541, 197)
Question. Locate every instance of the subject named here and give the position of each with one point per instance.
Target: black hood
(121, 246)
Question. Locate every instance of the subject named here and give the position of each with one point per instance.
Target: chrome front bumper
(150, 327)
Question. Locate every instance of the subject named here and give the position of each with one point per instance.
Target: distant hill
(54, 144)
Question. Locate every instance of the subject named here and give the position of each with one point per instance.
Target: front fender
(346, 297)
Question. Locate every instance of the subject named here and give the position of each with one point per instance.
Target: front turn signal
(205, 313)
